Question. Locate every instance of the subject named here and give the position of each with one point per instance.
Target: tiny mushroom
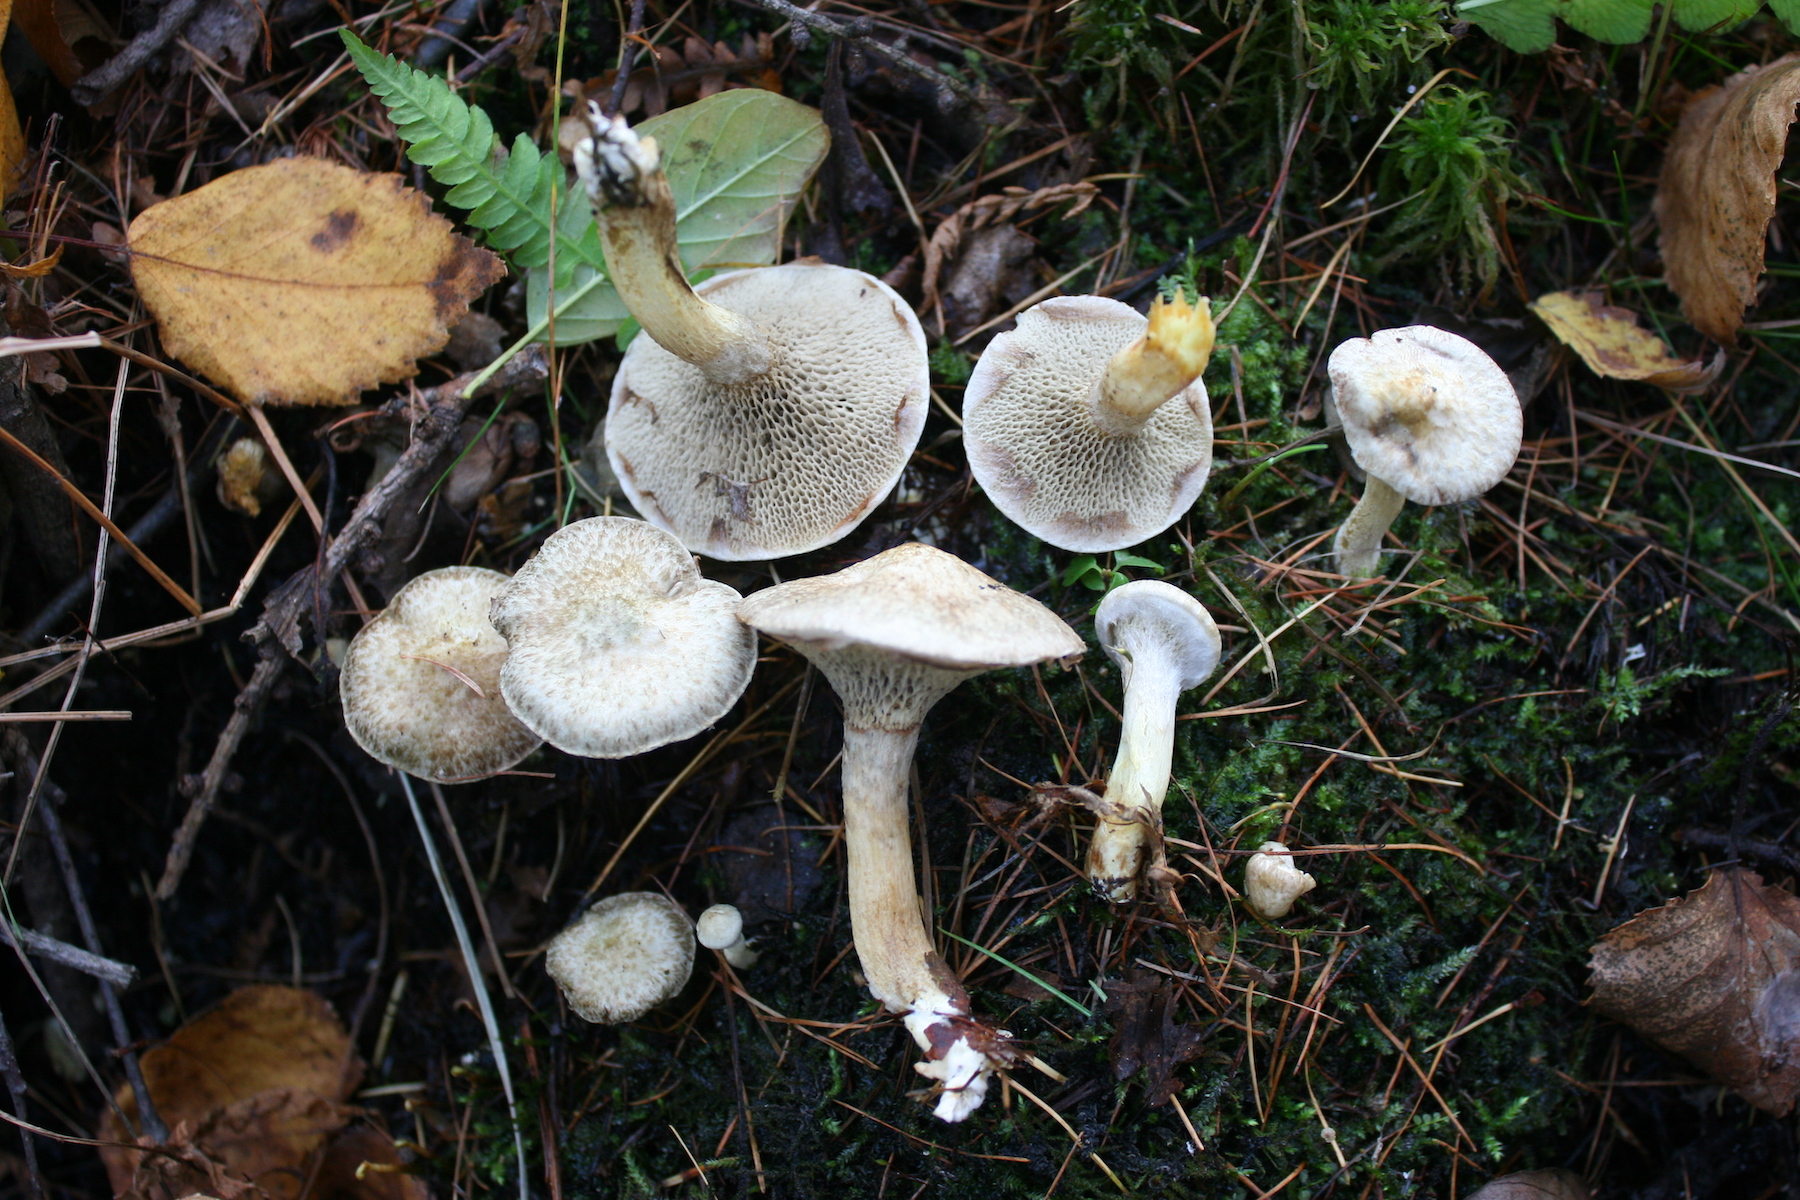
(619, 644)
(768, 412)
(1272, 882)
(623, 957)
(421, 682)
(894, 635)
(1088, 425)
(1429, 417)
(721, 928)
(1164, 642)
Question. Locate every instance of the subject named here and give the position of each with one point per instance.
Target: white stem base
(1138, 784)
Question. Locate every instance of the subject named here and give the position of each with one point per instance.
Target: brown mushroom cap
(785, 462)
(405, 683)
(1427, 412)
(1036, 450)
(623, 957)
(619, 644)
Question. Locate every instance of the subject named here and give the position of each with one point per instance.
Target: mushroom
(1429, 417)
(619, 644)
(1272, 882)
(721, 928)
(623, 957)
(421, 682)
(767, 418)
(894, 635)
(1087, 425)
(1164, 642)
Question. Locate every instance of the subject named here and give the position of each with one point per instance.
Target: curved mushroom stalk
(1357, 546)
(1172, 353)
(1164, 642)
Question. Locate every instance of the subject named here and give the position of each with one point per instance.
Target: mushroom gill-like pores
(421, 682)
(1087, 424)
(894, 635)
(1164, 642)
(766, 414)
(1429, 417)
(622, 957)
(1272, 882)
(619, 644)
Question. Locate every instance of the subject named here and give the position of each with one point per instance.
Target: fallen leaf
(1534, 1185)
(1610, 342)
(12, 137)
(1717, 193)
(304, 282)
(1145, 1035)
(1715, 978)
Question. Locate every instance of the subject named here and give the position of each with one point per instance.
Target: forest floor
(1568, 701)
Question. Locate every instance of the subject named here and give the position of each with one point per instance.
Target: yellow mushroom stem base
(1137, 786)
(1141, 378)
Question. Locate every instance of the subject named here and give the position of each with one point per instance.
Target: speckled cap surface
(1036, 451)
(1427, 412)
(619, 644)
(406, 681)
(623, 957)
(786, 462)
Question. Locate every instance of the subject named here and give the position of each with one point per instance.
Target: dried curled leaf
(304, 282)
(1715, 978)
(1612, 344)
(1534, 1185)
(1717, 193)
(990, 210)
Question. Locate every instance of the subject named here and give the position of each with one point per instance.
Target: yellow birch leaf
(1610, 342)
(12, 137)
(304, 282)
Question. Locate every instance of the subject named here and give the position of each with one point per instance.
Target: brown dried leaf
(1534, 1185)
(991, 210)
(1145, 1035)
(1611, 343)
(304, 282)
(1717, 193)
(1715, 978)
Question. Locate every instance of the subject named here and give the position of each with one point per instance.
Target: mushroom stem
(635, 211)
(1145, 375)
(1139, 780)
(1358, 542)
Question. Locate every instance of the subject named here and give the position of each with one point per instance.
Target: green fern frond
(507, 195)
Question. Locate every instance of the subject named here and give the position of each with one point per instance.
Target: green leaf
(1615, 21)
(1083, 564)
(1528, 26)
(1721, 15)
(1122, 559)
(737, 163)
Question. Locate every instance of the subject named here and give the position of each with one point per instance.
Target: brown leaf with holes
(1612, 344)
(1145, 1035)
(304, 282)
(1534, 1185)
(1717, 193)
(1715, 978)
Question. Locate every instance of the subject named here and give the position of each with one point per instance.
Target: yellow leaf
(1717, 193)
(1611, 344)
(304, 282)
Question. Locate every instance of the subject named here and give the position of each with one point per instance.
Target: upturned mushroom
(1272, 882)
(721, 928)
(421, 682)
(1163, 642)
(766, 413)
(622, 957)
(1088, 425)
(1429, 418)
(894, 635)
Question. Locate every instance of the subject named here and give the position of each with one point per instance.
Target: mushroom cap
(915, 602)
(720, 926)
(1034, 446)
(405, 682)
(788, 461)
(619, 644)
(623, 957)
(1149, 617)
(1427, 412)
(1272, 882)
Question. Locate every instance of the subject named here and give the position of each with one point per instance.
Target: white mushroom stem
(1358, 542)
(1139, 779)
(1141, 378)
(636, 213)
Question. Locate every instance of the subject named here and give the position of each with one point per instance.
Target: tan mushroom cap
(1427, 412)
(917, 603)
(619, 644)
(406, 681)
(785, 462)
(623, 957)
(1036, 451)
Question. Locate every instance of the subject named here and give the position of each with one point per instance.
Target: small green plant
(1087, 571)
(1367, 46)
